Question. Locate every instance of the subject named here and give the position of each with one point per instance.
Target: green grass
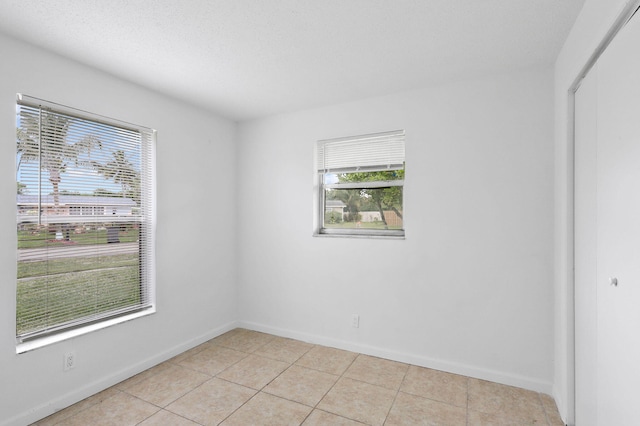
(75, 264)
(61, 290)
(43, 238)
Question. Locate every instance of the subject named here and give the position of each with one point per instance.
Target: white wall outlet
(355, 321)
(69, 361)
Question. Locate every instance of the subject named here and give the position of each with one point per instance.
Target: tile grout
(255, 394)
(467, 405)
(395, 397)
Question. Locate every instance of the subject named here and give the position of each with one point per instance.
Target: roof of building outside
(334, 203)
(76, 200)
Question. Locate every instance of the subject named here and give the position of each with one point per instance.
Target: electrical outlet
(355, 320)
(69, 361)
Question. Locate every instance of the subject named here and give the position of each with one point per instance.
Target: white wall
(196, 295)
(470, 288)
(594, 21)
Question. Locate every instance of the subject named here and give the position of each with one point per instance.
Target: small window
(70, 167)
(361, 182)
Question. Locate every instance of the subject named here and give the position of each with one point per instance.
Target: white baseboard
(414, 359)
(51, 407)
(77, 395)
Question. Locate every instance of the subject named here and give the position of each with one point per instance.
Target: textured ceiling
(250, 58)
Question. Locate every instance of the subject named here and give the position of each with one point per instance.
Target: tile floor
(245, 377)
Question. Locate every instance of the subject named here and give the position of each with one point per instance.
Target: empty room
(336, 212)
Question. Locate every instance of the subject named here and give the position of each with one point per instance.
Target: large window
(84, 219)
(361, 181)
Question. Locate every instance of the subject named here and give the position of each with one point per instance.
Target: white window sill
(59, 337)
(367, 236)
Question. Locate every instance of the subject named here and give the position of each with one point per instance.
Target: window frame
(145, 221)
(322, 170)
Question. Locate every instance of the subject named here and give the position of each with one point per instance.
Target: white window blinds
(84, 218)
(372, 152)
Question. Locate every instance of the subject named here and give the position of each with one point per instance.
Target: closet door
(618, 230)
(607, 236)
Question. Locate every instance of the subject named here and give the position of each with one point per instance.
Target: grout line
(467, 407)
(176, 414)
(148, 417)
(262, 390)
(307, 416)
(315, 407)
(247, 354)
(241, 405)
(386, 417)
(544, 409)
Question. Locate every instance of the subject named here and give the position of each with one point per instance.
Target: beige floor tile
(125, 384)
(323, 418)
(377, 371)
(242, 340)
(358, 401)
(437, 385)
(121, 409)
(165, 418)
(500, 404)
(165, 387)
(254, 371)
(186, 354)
(477, 418)
(414, 410)
(268, 410)
(212, 360)
(244, 362)
(281, 349)
(328, 360)
(302, 385)
(551, 409)
(77, 407)
(212, 402)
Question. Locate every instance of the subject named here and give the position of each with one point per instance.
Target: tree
(101, 192)
(386, 198)
(66, 192)
(352, 200)
(42, 137)
(121, 171)
(22, 188)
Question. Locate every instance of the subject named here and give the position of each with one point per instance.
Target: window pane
(361, 181)
(364, 208)
(83, 211)
(79, 277)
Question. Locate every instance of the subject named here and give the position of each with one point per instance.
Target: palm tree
(42, 137)
(120, 170)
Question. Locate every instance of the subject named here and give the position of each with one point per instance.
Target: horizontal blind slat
(378, 150)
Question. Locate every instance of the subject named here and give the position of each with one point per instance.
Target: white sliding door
(619, 229)
(607, 220)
